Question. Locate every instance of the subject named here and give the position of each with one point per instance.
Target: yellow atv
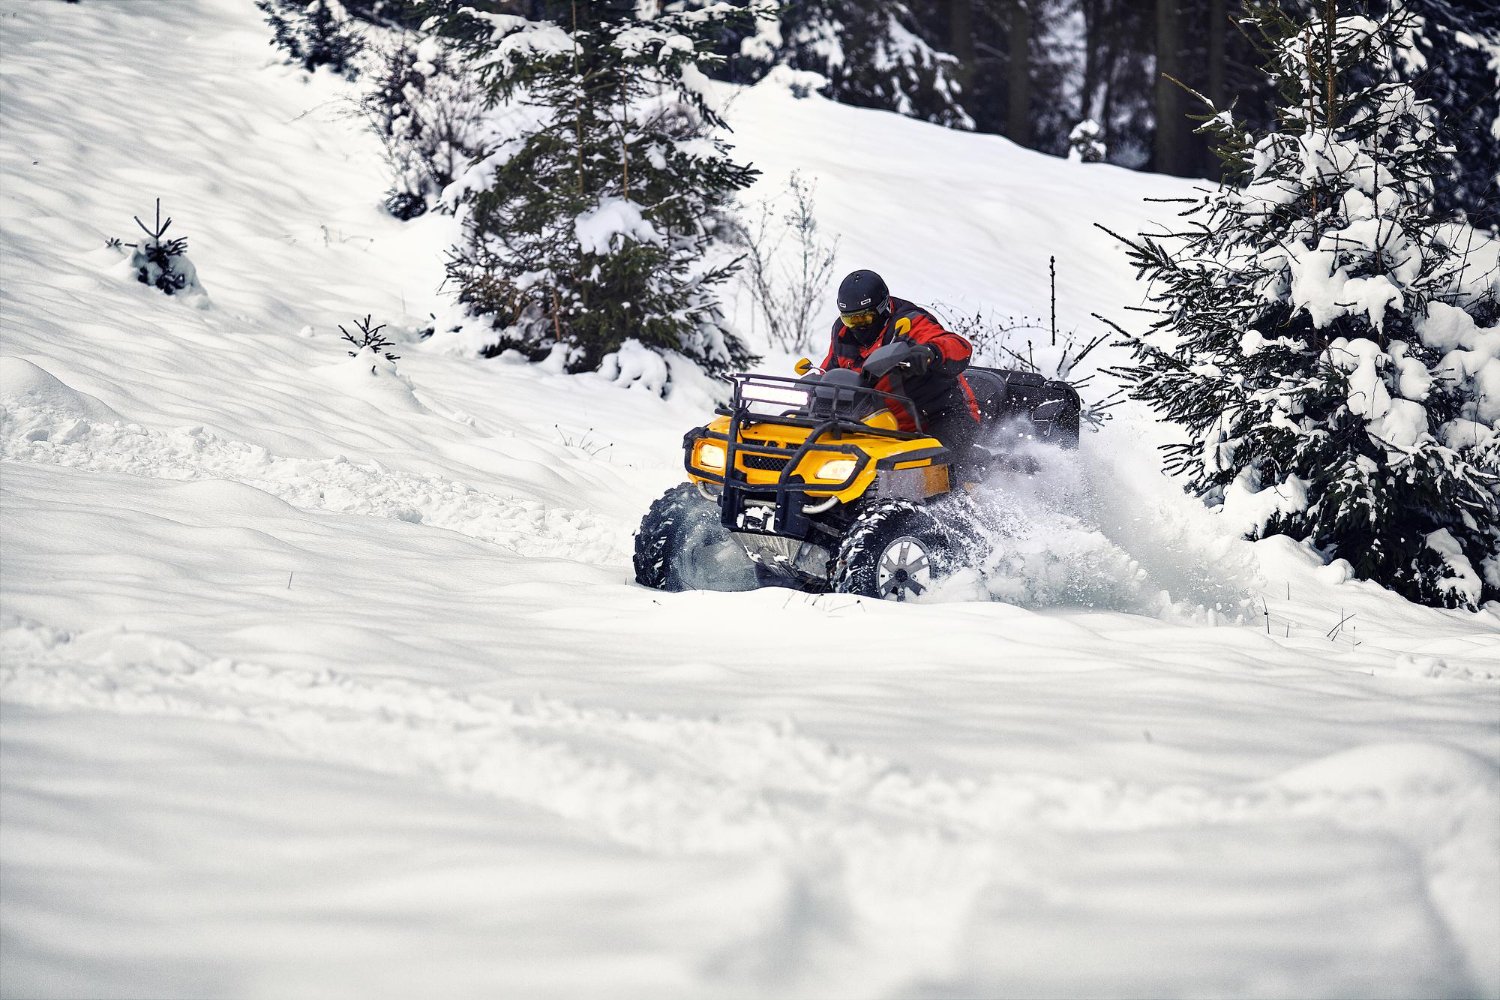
(810, 483)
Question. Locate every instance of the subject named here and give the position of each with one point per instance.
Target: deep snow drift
(323, 676)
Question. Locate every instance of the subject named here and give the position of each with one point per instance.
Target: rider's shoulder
(904, 309)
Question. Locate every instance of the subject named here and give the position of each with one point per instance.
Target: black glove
(922, 358)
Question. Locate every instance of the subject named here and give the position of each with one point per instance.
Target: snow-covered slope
(325, 677)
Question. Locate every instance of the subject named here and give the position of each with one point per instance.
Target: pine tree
(314, 33)
(406, 15)
(874, 56)
(163, 263)
(1326, 339)
(593, 218)
(873, 53)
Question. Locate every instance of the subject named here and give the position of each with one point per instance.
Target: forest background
(1034, 70)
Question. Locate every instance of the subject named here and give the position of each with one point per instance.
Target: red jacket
(942, 389)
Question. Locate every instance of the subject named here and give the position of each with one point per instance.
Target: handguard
(890, 357)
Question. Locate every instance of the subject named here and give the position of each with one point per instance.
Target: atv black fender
(1052, 405)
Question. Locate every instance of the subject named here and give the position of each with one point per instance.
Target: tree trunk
(961, 44)
(1090, 12)
(1218, 23)
(1330, 66)
(1171, 134)
(1018, 120)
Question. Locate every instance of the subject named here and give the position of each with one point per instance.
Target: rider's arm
(952, 351)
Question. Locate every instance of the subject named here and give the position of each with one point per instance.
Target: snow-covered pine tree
(314, 33)
(592, 218)
(873, 53)
(874, 56)
(404, 15)
(1328, 343)
(1086, 142)
(1454, 62)
(163, 263)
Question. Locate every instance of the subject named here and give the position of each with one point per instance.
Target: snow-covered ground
(320, 677)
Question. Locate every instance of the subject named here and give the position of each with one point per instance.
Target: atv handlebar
(897, 354)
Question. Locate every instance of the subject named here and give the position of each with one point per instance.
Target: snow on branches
(1328, 341)
(594, 213)
(868, 53)
(1086, 143)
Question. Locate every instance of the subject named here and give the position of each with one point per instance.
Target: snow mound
(181, 276)
(1395, 770)
(371, 377)
(227, 497)
(1444, 802)
(1411, 665)
(34, 395)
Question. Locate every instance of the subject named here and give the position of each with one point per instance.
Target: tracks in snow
(859, 839)
(63, 436)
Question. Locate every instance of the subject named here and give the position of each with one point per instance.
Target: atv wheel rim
(905, 567)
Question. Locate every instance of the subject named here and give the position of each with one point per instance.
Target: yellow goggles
(854, 320)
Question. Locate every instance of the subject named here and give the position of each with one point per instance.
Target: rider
(870, 318)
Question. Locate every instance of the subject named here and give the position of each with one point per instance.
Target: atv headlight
(836, 471)
(711, 456)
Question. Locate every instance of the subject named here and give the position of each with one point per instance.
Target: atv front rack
(834, 399)
(827, 409)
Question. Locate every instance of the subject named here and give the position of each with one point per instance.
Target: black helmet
(864, 303)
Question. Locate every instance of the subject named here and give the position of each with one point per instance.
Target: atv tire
(682, 545)
(896, 549)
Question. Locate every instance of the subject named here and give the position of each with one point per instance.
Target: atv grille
(763, 463)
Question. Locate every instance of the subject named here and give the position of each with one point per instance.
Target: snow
(1470, 353)
(637, 41)
(1400, 422)
(1323, 287)
(614, 219)
(638, 367)
(1248, 507)
(1364, 361)
(1464, 580)
(324, 676)
(762, 44)
(1413, 380)
(1086, 143)
(515, 37)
